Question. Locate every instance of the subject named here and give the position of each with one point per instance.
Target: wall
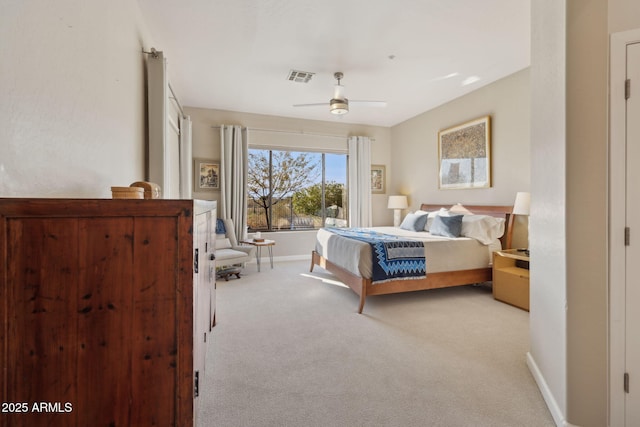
(206, 144)
(623, 15)
(72, 116)
(586, 201)
(415, 145)
(415, 148)
(548, 296)
(568, 318)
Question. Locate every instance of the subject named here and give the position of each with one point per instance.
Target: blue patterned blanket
(393, 257)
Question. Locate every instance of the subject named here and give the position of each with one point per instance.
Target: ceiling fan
(339, 104)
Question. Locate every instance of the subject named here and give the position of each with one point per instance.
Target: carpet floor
(289, 349)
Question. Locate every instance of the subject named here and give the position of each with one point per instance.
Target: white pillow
(223, 243)
(484, 228)
(414, 222)
(432, 215)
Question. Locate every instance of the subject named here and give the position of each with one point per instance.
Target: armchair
(228, 250)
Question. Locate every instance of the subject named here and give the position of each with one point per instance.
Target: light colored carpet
(289, 349)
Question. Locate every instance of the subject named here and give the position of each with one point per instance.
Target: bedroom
(73, 124)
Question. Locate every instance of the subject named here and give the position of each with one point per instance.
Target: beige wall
(623, 15)
(414, 156)
(570, 198)
(414, 153)
(72, 115)
(548, 290)
(568, 318)
(586, 214)
(206, 144)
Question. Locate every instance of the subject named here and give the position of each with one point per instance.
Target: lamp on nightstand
(521, 207)
(522, 203)
(397, 203)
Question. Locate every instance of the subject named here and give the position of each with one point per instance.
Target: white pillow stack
(484, 228)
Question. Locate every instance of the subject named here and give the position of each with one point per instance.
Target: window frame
(323, 153)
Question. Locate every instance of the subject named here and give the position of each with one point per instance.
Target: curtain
(186, 156)
(233, 177)
(359, 181)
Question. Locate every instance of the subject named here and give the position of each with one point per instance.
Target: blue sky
(336, 168)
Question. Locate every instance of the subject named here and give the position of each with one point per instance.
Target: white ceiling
(414, 54)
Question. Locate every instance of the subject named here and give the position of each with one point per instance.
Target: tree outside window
(291, 190)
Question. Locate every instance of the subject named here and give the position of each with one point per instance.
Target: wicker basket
(127, 193)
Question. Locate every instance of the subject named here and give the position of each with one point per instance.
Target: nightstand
(511, 277)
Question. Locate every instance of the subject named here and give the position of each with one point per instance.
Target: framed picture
(206, 175)
(464, 153)
(378, 177)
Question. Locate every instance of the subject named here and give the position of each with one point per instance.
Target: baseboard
(556, 412)
(284, 258)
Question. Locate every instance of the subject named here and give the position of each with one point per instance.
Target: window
(296, 190)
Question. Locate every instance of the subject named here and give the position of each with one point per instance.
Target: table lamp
(397, 203)
(521, 207)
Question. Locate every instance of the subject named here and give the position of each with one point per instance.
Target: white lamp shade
(397, 202)
(522, 203)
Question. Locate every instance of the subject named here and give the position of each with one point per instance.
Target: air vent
(300, 76)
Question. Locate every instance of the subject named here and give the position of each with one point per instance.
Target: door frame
(617, 221)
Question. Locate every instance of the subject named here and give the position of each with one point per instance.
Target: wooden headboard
(495, 211)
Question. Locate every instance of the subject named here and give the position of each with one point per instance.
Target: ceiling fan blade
(311, 105)
(369, 103)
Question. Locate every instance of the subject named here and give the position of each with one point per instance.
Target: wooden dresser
(105, 308)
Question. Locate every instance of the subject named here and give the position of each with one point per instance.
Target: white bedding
(441, 253)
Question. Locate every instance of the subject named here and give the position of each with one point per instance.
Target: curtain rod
(300, 132)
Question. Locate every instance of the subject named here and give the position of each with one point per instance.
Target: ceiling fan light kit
(339, 104)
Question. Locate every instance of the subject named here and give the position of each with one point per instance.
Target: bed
(443, 269)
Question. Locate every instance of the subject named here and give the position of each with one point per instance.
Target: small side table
(259, 245)
(511, 277)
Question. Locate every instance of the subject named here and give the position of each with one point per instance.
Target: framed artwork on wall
(378, 178)
(206, 175)
(464, 154)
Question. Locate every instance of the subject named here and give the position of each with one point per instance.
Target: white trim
(305, 257)
(617, 222)
(295, 132)
(547, 395)
(283, 258)
(297, 149)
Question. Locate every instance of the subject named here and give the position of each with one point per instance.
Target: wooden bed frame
(363, 287)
